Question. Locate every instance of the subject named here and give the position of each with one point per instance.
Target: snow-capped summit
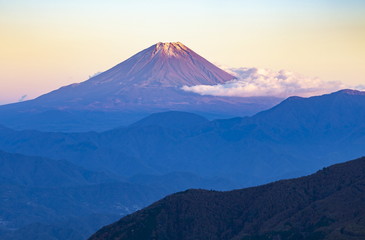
(153, 76)
(162, 65)
(149, 81)
(175, 49)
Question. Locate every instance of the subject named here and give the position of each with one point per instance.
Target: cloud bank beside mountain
(251, 82)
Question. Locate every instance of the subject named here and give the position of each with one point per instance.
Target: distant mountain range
(150, 81)
(328, 205)
(296, 137)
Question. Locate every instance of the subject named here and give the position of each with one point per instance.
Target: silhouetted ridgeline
(328, 205)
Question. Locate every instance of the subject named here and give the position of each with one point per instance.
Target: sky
(46, 44)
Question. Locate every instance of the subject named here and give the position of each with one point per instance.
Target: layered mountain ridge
(296, 137)
(46, 199)
(168, 152)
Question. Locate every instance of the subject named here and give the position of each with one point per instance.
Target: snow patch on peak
(170, 49)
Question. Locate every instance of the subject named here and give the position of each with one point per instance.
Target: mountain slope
(327, 113)
(148, 82)
(172, 119)
(39, 196)
(45, 199)
(326, 205)
(28, 171)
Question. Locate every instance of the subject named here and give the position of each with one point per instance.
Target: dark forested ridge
(328, 205)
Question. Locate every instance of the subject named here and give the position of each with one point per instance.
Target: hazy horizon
(49, 44)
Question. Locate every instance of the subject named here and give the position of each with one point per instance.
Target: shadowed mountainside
(328, 205)
(46, 199)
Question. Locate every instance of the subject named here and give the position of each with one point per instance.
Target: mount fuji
(148, 82)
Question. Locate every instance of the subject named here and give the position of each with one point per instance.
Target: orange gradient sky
(47, 44)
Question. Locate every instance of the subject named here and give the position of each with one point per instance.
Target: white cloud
(264, 82)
